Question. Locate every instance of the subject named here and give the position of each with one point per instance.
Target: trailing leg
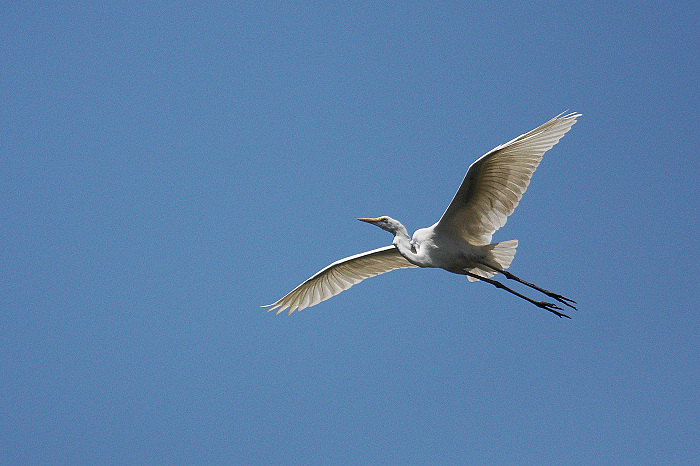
(562, 299)
(551, 307)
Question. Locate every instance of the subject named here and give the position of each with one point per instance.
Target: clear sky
(168, 167)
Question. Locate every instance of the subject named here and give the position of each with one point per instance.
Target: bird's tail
(499, 254)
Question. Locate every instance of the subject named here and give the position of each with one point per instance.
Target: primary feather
(339, 276)
(495, 183)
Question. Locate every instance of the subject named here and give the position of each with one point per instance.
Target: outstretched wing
(341, 275)
(495, 183)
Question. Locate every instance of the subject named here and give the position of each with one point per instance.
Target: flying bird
(460, 242)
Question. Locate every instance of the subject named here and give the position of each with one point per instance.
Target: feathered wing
(339, 276)
(495, 183)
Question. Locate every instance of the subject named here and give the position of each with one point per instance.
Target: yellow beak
(369, 220)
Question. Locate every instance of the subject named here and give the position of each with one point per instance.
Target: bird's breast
(447, 255)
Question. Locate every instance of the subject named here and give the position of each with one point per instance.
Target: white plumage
(341, 275)
(459, 241)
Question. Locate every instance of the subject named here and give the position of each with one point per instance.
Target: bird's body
(428, 248)
(460, 242)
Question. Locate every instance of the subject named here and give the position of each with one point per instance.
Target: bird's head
(385, 223)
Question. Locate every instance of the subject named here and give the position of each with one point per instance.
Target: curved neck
(403, 242)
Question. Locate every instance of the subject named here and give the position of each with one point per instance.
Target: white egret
(459, 241)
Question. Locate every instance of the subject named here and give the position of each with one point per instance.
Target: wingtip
(566, 115)
(279, 308)
(271, 307)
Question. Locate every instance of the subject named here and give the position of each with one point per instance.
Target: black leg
(551, 307)
(562, 299)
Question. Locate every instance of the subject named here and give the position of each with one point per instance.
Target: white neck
(403, 242)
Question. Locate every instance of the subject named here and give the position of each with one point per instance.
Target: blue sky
(170, 167)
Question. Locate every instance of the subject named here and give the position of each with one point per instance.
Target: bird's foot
(562, 299)
(551, 307)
